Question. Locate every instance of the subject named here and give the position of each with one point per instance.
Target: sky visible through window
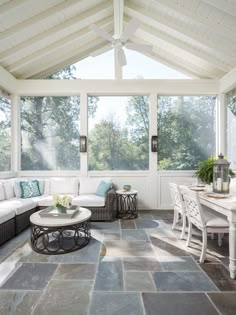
(138, 67)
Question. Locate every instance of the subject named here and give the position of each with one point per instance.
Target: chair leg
(175, 219)
(183, 227)
(204, 246)
(189, 233)
(220, 237)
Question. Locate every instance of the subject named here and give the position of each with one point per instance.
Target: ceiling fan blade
(121, 57)
(130, 28)
(101, 32)
(100, 51)
(143, 48)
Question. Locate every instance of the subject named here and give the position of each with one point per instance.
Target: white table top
(125, 192)
(228, 203)
(83, 215)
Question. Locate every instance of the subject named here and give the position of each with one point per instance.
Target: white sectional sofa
(15, 211)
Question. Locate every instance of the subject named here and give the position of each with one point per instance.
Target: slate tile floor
(129, 267)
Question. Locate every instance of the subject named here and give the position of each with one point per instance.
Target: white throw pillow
(9, 189)
(2, 193)
(89, 185)
(64, 186)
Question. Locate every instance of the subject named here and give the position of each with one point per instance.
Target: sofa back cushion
(89, 185)
(9, 189)
(64, 186)
(2, 193)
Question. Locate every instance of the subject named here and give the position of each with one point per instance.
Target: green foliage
(5, 134)
(205, 170)
(186, 131)
(113, 146)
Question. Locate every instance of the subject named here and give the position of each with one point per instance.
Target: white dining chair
(179, 207)
(203, 219)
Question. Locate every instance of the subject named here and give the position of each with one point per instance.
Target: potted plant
(204, 172)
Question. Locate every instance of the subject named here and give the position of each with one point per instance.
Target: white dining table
(227, 207)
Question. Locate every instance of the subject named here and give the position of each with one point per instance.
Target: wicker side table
(127, 204)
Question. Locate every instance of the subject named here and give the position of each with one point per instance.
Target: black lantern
(221, 176)
(154, 144)
(83, 144)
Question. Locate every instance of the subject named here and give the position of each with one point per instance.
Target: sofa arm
(110, 201)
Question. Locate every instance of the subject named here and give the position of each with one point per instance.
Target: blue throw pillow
(103, 188)
(30, 189)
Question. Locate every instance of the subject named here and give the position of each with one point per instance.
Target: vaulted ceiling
(196, 37)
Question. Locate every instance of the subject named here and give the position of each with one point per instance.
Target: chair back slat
(177, 198)
(193, 207)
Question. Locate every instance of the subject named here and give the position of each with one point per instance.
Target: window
(186, 131)
(5, 134)
(118, 133)
(231, 128)
(140, 66)
(50, 132)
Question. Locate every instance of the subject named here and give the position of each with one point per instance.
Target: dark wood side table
(127, 204)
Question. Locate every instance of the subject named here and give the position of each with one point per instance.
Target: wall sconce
(154, 144)
(83, 144)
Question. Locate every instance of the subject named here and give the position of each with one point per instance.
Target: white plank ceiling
(38, 38)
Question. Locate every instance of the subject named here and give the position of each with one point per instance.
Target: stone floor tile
(116, 303)
(175, 263)
(160, 233)
(18, 302)
(168, 247)
(220, 276)
(149, 224)
(109, 275)
(89, 253)
(30, 277)
(183, 281)
(225, 302)
(105, 225)
(141, 264)
(111, 235)
(127, 249)
(7, 248)
(127, 224)
(143, 215)
(64, 297)
(75, 272)
(178, 304)
(134, 235)
(138, 281)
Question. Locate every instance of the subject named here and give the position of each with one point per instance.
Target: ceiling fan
(120, 41)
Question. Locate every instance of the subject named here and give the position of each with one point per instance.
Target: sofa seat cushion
(47, 200)
(6, 214)
(89, 200)
(19, 205)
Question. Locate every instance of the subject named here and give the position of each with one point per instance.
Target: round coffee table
(54, 236)
(127, 204)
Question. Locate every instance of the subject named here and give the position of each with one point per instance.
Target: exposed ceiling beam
(210, 22)
(227, 7)
(61, 64)
(7, 81)
(57, 46)
(66, 56)
(163, 21)
(7, 7)
(39, 18)
(84, 19)
(159, 36)
(118, 16)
